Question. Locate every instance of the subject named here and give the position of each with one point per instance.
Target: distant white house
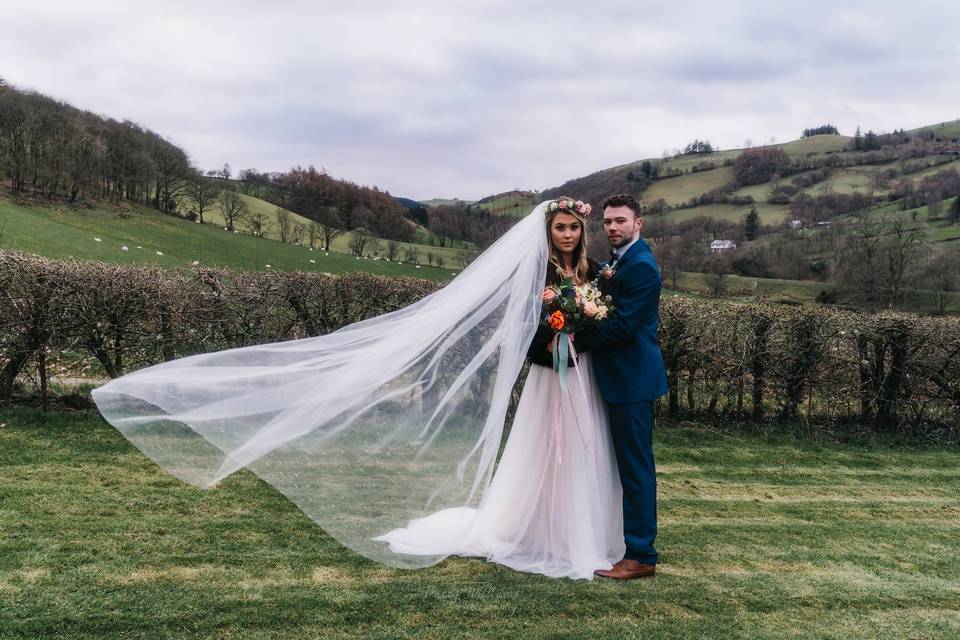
(796, 224)
(719, 246)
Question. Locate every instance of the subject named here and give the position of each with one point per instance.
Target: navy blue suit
(630, 373)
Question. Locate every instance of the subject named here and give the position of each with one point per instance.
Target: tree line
(50, 149)
(824, 129)
(331, 202)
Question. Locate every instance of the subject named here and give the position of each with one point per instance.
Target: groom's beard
(620, 242)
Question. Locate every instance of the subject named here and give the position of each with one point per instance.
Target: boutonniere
(607, 271)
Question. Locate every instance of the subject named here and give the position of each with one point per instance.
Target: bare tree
(296, 234)
(393, 247)
(410, 255)
(904, 248)
(330, 228)
(313, 233)
(204, 196)
(941, 274)
(255, 220)
(374, 245)
(284, 224)
(717, 267)
(465, 258)
(879, 255)
(234, 208)
(358, 241)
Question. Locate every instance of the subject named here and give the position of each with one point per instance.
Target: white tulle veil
(367, 427)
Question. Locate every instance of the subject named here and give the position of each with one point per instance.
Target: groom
(630, 373)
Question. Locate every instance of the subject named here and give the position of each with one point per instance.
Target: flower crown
(562, 204)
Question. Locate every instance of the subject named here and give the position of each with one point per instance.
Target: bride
(554, 504)
(387, 432)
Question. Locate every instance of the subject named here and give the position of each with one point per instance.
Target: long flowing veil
(364, 428)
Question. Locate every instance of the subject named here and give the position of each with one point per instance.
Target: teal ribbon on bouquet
(561, 351)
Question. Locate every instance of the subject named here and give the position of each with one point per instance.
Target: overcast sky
(441, 98)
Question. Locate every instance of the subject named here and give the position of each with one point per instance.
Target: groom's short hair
(622, 200)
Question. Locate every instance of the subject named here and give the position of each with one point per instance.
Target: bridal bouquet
(568, 308)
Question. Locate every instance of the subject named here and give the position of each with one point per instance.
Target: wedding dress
(554, 504)
(399, 416)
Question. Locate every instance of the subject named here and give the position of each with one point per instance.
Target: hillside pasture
(154, 238)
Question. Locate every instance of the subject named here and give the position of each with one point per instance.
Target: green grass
(773, 214)
(271, 229)
(846, 180)
(940, 230)
(949, 129)
(955, 164)
(513, 204)
(440, 202)
(744, 288)
(759, 537)
(815, 145)
(690, 185)
(61, 232)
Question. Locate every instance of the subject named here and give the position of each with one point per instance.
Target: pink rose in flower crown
(590, 309)
(562, 204)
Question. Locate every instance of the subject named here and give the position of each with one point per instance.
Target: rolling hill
(102, 232)
(688, 177)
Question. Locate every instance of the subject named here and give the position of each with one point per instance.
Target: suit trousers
(631, 425)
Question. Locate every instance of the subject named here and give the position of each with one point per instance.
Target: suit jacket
(537, 352)
(626, 355)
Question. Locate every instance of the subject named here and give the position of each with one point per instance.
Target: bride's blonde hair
(581, 267)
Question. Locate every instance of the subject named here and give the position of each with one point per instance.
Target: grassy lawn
(61, 232)
(679, 189)
(760, 537)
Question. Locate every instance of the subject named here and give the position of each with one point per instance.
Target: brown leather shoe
(627, 570)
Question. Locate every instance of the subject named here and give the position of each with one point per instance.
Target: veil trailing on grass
(364, 428)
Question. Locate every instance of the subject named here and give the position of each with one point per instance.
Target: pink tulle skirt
(554, 504)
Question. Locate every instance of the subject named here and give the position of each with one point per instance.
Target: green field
(816, 145)
(742, 288)
(939, 229)
(271, 229)
(63, 232)
(760, 537)
(772, 214)
(949, 129)
(511, 205)
(679, 189)
(445, 202)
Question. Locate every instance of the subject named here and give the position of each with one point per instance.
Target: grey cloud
(429, 98)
